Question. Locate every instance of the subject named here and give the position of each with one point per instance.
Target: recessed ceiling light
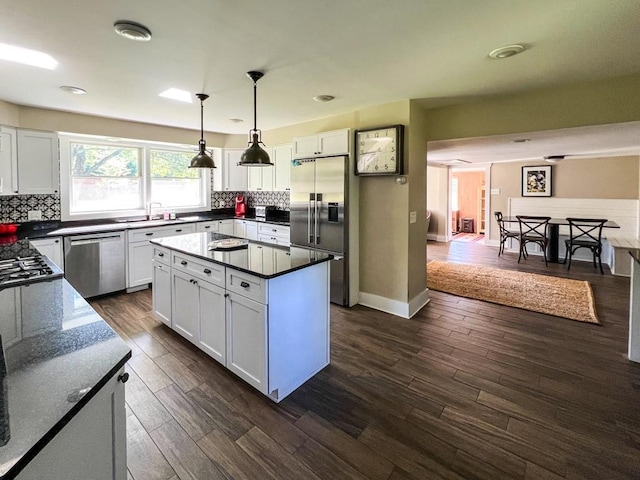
(177, 94)
(323, 98)
(521, 140)
(506, 51)
(73, 90)
(236, 120)
(132, 30)
(27, 56)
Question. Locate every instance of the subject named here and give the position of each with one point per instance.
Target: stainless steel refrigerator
(319, 214)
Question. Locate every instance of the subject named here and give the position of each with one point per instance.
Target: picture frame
(380, 151)
(537, 181)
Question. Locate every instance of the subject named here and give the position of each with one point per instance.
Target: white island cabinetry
(270, 330)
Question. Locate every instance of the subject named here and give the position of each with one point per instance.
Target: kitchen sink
(151, 223)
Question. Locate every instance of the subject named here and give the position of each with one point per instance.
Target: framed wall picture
(536, 181)
(379, 151)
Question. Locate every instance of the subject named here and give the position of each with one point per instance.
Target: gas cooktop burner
(23, 270)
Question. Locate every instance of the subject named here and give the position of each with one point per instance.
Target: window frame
(66, 139)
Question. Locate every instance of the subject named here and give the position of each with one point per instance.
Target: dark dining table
(554, 234)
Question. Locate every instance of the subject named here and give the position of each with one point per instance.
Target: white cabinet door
(162, 292)
(139, 265)
(251, 231)
(52, 248)
(240, 228)
(226, 227)
(8, 161)
(335, 142)
(38, 162)
(185, 306)
(235, 177)
(305, 146)
(281, 158)
(211, 306)
(247, 340)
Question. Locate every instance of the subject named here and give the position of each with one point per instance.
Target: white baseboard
(395, 307)
(491, 243)
(436, 238)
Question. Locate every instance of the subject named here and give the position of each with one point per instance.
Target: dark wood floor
(465, 389)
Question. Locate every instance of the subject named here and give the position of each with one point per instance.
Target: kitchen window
(109, 179)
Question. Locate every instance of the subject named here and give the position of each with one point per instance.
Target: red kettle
(241, 206)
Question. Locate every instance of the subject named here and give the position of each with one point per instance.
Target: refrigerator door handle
(309, 214)
(318, 206)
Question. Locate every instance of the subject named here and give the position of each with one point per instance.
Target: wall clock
(379, 151)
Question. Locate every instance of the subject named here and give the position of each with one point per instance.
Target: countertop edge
(17, 467)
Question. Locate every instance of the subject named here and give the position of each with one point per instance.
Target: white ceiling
(364, 52)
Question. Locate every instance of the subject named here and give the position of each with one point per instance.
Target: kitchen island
(62, 399)
(260, 310)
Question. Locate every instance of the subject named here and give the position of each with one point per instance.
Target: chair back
(503, 229)
(587, 230)
(533, 226)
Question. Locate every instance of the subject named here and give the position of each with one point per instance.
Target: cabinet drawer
(209, 271)
(273, 230)
(142, 234)
(162, 255)
(247, 285)
(207, 226)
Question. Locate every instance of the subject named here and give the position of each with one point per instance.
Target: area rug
(562, 297)
(467, 237)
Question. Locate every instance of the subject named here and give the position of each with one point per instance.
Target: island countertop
(286, 259)
(57, 354)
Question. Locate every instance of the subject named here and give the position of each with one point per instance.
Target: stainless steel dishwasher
(95, 263)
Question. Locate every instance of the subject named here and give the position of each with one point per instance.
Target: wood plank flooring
(464, 390)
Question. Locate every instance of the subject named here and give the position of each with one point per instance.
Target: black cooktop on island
(21, 270)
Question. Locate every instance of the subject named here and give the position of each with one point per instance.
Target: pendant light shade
(255, 155)
(202, 159)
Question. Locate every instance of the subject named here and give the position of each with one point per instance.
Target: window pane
(176, 192)
(169, 164)
(89, 160)
(105, 194)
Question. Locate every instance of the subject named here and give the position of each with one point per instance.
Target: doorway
(467, 205)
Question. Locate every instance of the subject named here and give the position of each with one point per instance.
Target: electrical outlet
(34, 215)
(413, 218)
(495, 191)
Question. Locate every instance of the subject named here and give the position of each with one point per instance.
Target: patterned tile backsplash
(14, 208)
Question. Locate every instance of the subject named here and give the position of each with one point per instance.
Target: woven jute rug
(562, 297)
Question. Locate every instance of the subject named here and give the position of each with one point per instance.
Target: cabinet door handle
(244, 285)
(195, 282)
(123, 378)
(149, 234)
(226, 295)
(207, 271)
(57, 241)
(183, 262)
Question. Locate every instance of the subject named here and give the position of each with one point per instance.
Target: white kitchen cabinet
(261, 178)
(96, 432)
(8, 161)
(211, 317)
(185, 305)
(245, 229)
(281, 157)
(277, 234)
(247, 340)
(38, 162)
(52, 248)
(140, 251)
(235, 177)
(226, 226)
(211, 226)
(162, 292)
(335, 142)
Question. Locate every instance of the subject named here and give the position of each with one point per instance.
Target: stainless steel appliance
(95, 264)
(22, 270)
(319, 214)
(264, 211)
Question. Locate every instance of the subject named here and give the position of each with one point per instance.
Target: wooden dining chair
(585, 233)
(533, 229)
(505, 233)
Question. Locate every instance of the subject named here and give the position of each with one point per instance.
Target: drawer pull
(244, 285)
(124, 377)
(207, 271)
(226, 295)
(179, 230)
(149, 234)
(183, 262)
(207, 226)
(161, 254)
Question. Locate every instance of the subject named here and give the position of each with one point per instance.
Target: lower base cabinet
(93, 445)
(162, 292)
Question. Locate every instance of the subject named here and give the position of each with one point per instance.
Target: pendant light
(255, 156)
(202, 159)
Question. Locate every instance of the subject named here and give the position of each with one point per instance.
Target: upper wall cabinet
(38, 162)
(261, 178)
(29, 162)
(335, 142)
(281, 157)
(8, 161)
(235, 177)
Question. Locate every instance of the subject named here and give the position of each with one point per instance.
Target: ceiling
(363, 52)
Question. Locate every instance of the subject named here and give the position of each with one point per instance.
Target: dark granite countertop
(260, 259)
(58, 352)
(58, 228)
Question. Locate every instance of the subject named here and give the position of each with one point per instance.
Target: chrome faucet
(150, 209)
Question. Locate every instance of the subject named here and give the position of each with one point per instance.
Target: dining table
(554, 234)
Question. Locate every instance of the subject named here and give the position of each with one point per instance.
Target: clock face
(378, 151)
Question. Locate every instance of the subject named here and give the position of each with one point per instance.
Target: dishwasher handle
(88, 241)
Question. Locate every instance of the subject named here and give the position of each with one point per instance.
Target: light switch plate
(495, 191)
(412, 217)
(34, 215)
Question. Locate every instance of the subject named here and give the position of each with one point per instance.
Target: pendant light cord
(255, 106)
(201, 120)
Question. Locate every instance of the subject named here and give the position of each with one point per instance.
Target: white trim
(437, 238)
(395, 307)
